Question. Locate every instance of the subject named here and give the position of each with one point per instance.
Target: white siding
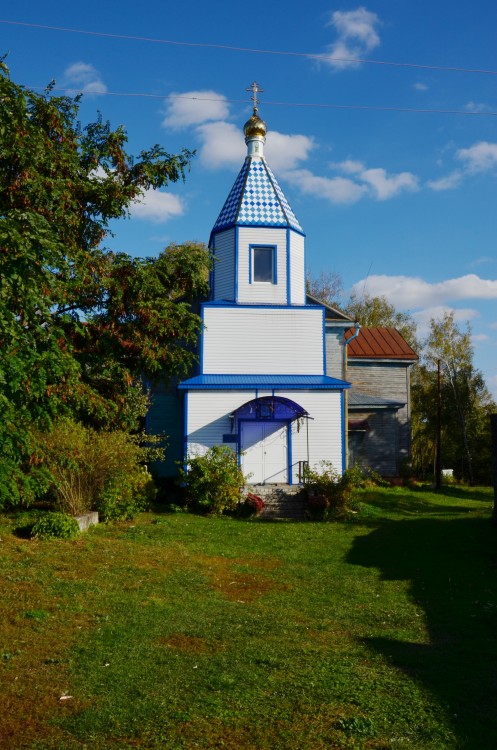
(335, 365)
(208, 420)
(208, 417)
(224, 266)
(325, 429)
(244, 340)
(262, 292)
(297, 269)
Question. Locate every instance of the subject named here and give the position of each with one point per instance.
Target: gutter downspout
(357, 327)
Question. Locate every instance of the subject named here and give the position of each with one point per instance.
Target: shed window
(264, 264)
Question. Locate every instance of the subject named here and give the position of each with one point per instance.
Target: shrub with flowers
(330, 493)
(251, 505)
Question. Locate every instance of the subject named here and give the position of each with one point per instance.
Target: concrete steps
(281, 501)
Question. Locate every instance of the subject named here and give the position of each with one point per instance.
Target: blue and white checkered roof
(256, 199)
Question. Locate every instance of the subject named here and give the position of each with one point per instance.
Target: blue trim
(273, 383)
(288, 269)
(185, 431)
(201, 353)
(324, 341)
(256, 225)
(213, 271)
(237, 246)
(262, 305)
(290, 453)
(344, 447)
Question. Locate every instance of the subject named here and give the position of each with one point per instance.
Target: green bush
(214, 481)
(330, 493)
(55, 526)
(127, 495)
(97, 470)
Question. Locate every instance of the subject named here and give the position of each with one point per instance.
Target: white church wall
(325, 430)
(297, 269)
(260, 340)
(207, 416)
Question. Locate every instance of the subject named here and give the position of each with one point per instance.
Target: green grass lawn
(177, 631)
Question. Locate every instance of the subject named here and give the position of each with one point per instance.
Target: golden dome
(255, 127)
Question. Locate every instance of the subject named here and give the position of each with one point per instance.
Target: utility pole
(438, 455)
(493, 425)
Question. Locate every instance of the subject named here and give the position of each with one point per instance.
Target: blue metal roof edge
(231, 224)
(264, 382)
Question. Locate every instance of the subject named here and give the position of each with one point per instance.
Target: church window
(264, 264)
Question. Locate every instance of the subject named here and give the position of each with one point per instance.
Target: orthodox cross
(255, 89)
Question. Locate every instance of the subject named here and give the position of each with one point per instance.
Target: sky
(382, 129)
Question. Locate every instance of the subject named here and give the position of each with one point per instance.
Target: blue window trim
(255, 246)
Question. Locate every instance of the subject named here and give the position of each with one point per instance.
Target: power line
(377, 108)
(309, 55)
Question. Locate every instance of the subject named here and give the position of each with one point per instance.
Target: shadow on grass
(452, 569)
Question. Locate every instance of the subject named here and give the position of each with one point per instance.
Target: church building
(262, 386)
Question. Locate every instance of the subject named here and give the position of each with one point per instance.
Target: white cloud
(423, 317)
(480, 157)
(481, 261)
(480, 337)
(157, 206)
(361, 183)
(477, 107)
(286, 151)
(222, 145)
(334, 189)
(420, 86)
(449, 182)
(492, 386)
(349, 166)
(409, 292)
(357, 35)
(387, 186)
(194, 108)
(85, 78)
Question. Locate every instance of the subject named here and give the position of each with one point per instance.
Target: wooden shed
(379, 402)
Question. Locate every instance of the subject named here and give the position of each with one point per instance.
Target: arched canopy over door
(264, 437)
(265, 408)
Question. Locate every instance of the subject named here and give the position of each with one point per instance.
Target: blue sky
(401, 203)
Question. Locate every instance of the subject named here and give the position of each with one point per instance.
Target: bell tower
(257, 240)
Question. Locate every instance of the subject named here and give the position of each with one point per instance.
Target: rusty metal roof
(379, 343)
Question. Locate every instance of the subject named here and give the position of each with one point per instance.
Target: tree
(79, 324)
(466, 403)
(373, 312)
(327, 287)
